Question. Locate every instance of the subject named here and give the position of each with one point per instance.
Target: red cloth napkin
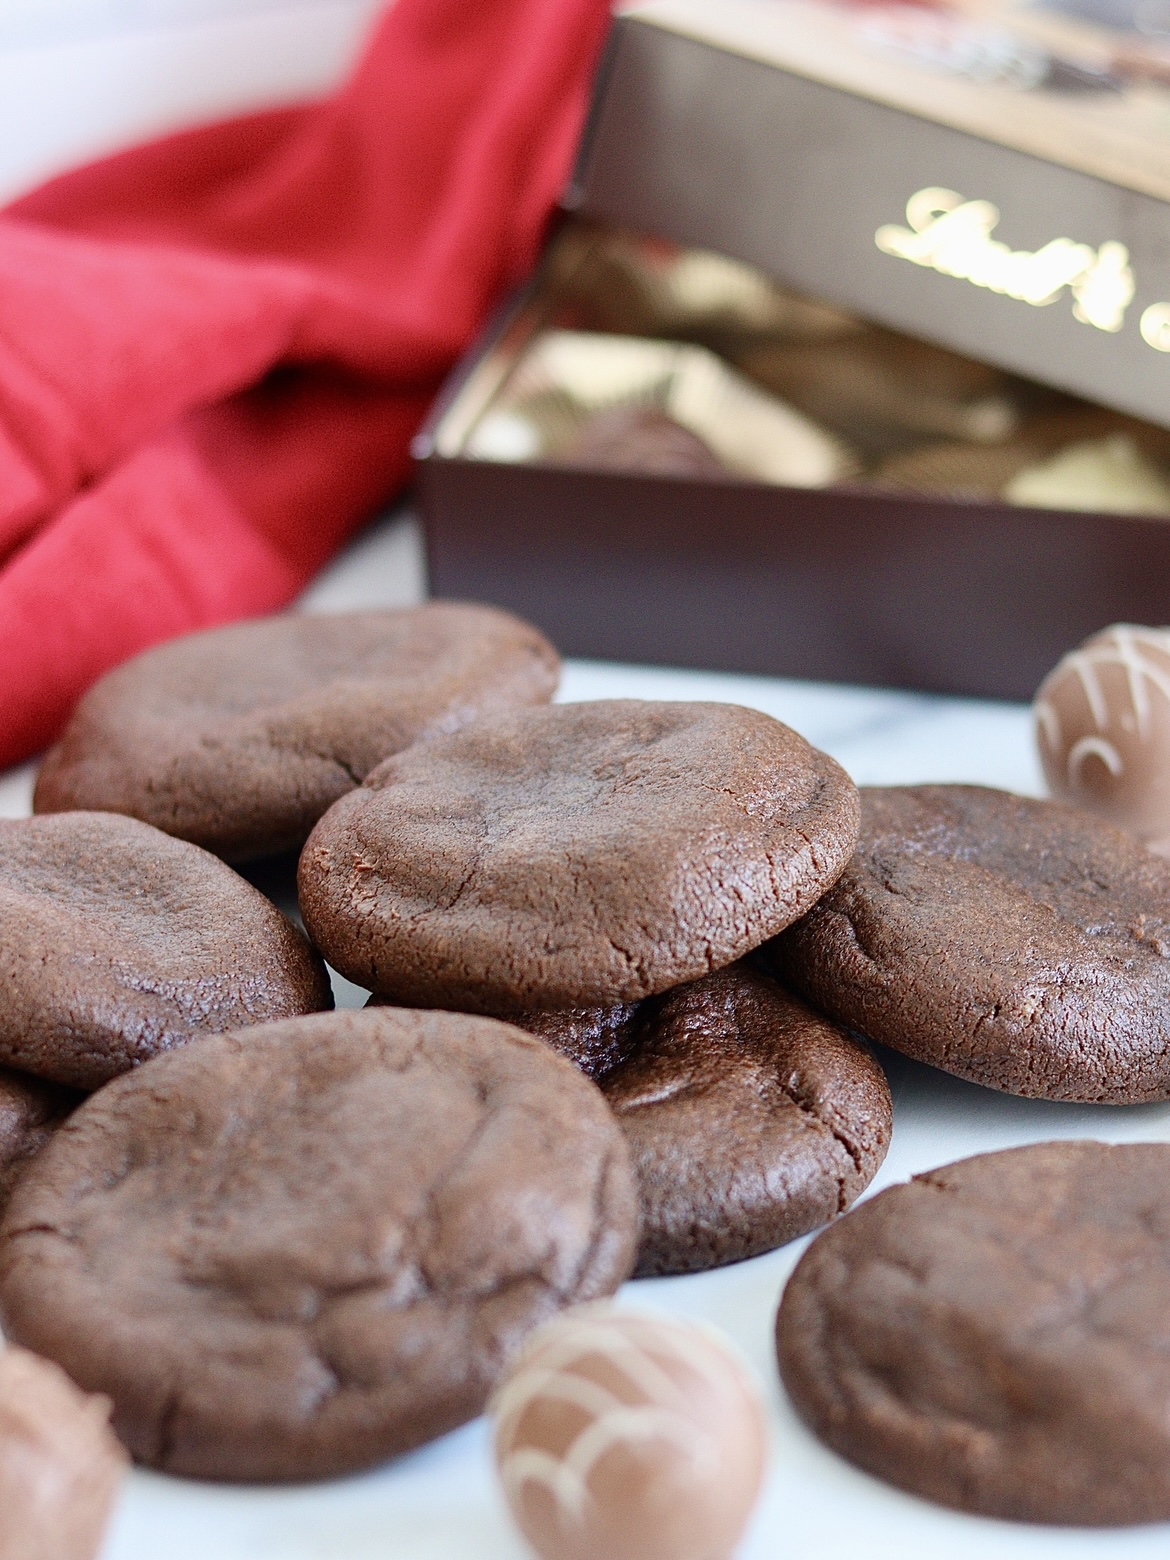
(214, 350)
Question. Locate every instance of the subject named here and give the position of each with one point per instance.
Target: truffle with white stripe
(629, 1436)
(1103, 729)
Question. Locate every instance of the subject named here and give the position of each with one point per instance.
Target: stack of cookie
(311, 1240)
(626, 961)
(598, 874)
(121, 937)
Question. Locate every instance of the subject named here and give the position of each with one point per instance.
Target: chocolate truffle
(631, 1437)
(294, 1251)
(1103, 729)
(60, 1464)
(640, 438)
(993, 1335)
(238, 739)
(120, 942)
(579, 855)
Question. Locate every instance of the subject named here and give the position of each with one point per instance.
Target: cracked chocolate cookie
(293, 1252)
(118, 942)
(1020, 944)
(993, 1334)
(579, 855)
(239, 739)
(751, 1119)
(30, 1112)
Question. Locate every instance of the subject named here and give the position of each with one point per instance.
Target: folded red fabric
(214, 350)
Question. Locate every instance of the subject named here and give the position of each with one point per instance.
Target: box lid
(1026, 224)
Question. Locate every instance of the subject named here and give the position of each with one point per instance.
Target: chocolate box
(938, 209)
(1028, 226)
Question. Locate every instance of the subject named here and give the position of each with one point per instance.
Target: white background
(79, 78)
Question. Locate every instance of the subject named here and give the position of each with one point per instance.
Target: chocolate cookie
(751, 1119)
(117, 942)
(240, 738)
(585, 854)
(993, 1335)
(294, 1251)
(30, 1112)
(1021, 944)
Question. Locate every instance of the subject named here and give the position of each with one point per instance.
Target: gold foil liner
(566, 377)
(778, 388)
(1101, 476)
(882, 392)
(621, 284)
(971, 471)
(1044, 469)
(1079, 421)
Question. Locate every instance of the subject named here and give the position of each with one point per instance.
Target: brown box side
(716, 150)
(851, 587)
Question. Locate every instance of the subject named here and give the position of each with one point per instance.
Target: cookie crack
(40, 1229)
(822, 1124)
(346, 769)
(414, 1241)
(598, 1227)
(853, 934)
(631, 961)
(673, 1089)
(283, 749)
(331, 1387)
(472, 872)
(167, 1431)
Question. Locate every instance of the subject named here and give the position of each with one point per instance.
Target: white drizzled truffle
(60, 1465)
(1103, 729)
(622, 1436)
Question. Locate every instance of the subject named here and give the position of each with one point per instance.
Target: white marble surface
(441, 1503)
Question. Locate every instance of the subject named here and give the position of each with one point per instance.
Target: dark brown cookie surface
(993, 1334)
(751, 1119)
(1020, 944)
(296, 1251)
(117, 942)
(31, 1110)
(578, 855)
(239, 739)
(595, 1039)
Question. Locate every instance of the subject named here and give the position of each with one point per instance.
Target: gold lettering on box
(952, 235)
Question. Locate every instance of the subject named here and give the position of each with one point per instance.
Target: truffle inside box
(661, 456)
